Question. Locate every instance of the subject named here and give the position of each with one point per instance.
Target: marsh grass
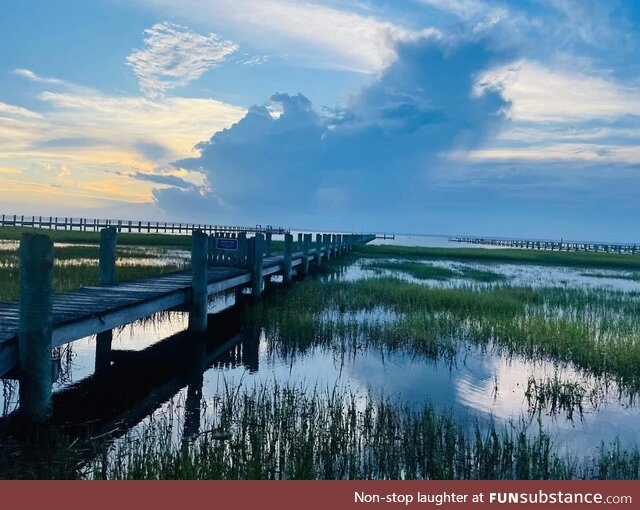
(124, 238)
(633, 276)
(555, 396)
(422, 271)
(575, 259)
(285, 432)
(597, 331)
(415, 269)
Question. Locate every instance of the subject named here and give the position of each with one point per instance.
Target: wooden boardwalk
(95, 309)
(141, 227)
(629, 249)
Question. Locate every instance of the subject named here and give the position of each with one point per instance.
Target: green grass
(423, 271)
(415, 269)
(577, 259)
(283, 432)
(633, 277)
(555, 396)
(68, 236)
(595, 330)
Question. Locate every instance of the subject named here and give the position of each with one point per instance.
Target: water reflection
(126, 378)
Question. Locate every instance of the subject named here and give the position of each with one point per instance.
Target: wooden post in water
(318, 249)
(288, 250)
(256, 251)
(199, 252)
(306, 245)
(35, 326)
(300, 241)
(107, 269)
(327, 246)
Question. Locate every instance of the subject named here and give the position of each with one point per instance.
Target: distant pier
(140, 227)
(629, 249)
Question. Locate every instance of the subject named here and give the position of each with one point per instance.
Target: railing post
(107, 264)
(256, 251)
(318, 249)
(199, 252)
(288, 250)
(242, 248)
(268, 245)
(35, 326)
(306, 244)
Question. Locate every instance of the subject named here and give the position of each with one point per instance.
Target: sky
(479, 117)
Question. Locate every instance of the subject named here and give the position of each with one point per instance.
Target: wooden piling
(300, 241)
(257, 248)
(268, 244)
(318, 249)
(288, 250)
(306, 245)
(107, 263)
(107, 269)
(327, 246)
(199, 252)
(35, 326)
(242, 249)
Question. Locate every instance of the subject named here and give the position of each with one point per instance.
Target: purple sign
(226, 243)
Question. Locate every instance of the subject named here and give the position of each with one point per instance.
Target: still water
(478, 386)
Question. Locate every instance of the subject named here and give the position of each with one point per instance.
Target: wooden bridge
(219, 262)
(632, 249)
(149, 227)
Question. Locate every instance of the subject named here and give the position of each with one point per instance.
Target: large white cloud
(317, 35)
(173, 56)
(541, 93)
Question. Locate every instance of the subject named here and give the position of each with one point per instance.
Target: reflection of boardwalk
(550, 245)
(136, 383)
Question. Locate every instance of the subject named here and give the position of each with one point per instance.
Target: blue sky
(505, 118)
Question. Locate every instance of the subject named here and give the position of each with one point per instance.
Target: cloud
(190, 203)
(376, 149)
(100, 141)
(597, 23)
(541, 93)
(317, 35)
(30, 75)
(169, 180)
(174, 56)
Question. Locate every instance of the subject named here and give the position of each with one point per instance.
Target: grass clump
(124, 238)
(282, 432)
(555, 258)
(555, 396)
(422, 271)
(415, 269)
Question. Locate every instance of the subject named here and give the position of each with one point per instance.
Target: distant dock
(130, 226)
(629, 249)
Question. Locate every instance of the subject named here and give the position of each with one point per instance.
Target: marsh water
(149, 377)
